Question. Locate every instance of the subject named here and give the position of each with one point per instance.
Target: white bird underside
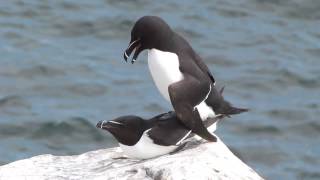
(164, 69)
(145, 148)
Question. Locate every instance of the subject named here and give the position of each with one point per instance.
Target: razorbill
(144, 139)
(179, 74)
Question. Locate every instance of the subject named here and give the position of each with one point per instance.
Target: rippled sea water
(61, 71)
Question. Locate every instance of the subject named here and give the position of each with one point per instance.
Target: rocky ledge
(196, 161)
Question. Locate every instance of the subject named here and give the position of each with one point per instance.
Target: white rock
(204, 161)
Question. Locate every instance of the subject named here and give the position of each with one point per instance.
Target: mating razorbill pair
(183, 79)
(179, 74)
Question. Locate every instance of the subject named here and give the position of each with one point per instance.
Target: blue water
(61, 71)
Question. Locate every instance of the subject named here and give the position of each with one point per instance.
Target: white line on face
(115, 122)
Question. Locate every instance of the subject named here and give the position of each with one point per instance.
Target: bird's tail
(234, 110)
(228, 109)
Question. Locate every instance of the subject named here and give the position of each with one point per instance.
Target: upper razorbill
(179, 73)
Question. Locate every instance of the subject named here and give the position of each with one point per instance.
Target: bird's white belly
(164, 69)
(206, 112)
(145, 149)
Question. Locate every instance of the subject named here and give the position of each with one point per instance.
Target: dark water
(61, 71)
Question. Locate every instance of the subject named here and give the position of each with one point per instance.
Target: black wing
(168, 132)
(203, 67)
(185, 95)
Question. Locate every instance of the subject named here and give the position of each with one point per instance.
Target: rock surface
(196, 161)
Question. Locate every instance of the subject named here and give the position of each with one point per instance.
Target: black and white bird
(143, 139)
(179, 74)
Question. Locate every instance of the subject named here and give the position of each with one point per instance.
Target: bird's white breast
(164, 69)
(145, 148)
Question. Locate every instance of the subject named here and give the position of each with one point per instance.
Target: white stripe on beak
(102, 124)
(132, 43)
(125, 53)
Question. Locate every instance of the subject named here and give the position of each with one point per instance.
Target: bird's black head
(147, 33)
(126, 129)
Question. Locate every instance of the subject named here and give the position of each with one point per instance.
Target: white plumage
(164, 69)
(145, 148)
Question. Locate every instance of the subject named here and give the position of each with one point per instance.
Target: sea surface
(62, 70)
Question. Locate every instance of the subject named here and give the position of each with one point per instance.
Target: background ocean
(61, 71)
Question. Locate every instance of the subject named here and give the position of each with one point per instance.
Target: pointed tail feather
(234, 110)
(221, 90)
(228, 109)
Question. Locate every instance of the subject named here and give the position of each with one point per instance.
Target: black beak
(101, 124)
(134, 45)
